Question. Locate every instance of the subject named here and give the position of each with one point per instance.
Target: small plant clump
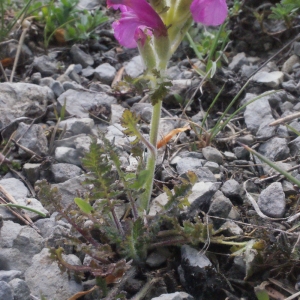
(286, 10)
(117, 244)
(64, 21)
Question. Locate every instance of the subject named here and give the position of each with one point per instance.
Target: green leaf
(140, 179)
(83, 205)
(160, 92)
(273, 165)
(135, 245)
(24, 207)
(130, 121)
(261, 293)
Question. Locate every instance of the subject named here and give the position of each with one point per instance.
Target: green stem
(151, 160)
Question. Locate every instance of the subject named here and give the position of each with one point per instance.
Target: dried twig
(285, 119)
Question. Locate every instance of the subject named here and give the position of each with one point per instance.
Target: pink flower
(138, 19)
(209, 12)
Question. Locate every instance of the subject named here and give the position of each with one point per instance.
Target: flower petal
(209, 12)
(135, 14)
(124, 31)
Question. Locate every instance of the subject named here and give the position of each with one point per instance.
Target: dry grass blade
(168, 136)
(27, 150)
(118, 77)
(282, 285)
(80, 294)
(23, 216)
(293, 296)
(285, 119)
(24, 179)
(274, 294)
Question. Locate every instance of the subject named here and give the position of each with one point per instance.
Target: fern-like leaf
(130, 121)
(179, 198)
(135, 244)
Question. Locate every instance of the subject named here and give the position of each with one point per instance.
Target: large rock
(17, 190)
(256, 112)
(78, 103)
(22, 99)
(21, 248)
(45, 278)
(271, 201)
(275, 149)
(32, 138)
(198, 275)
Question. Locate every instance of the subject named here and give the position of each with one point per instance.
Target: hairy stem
(151, 159)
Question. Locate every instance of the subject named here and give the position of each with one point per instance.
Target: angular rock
(290, 86)
(48, 226)
(213, 167)
(201, 196)
(17, 190)
(275, 149)
(241, 153)
(272, 201)
(232, 228)
(20, 99)
(45, 65)
(270, 79)
(256, 112)
(265, 131)
(33, 138)
(220, 207)
(56, 285)
(27, 243)
(57, 88)
(105, 73)
(287, 66)
(68, 189)
(232, 189)
(212, 154)
(7, 276)
(20, 289)
(144, 110)
(174, 296)
(116, 113)
(9, 232)
(196, 267)
(83, 144)
(188, 164)
(230, 156)
(5, 291)
(205, 175)
(288, 188)
(238, 61)
(68, 142)
(173, 72)
(157, 258)
(77, 126)
(78, 103)
(135, 67)
(32, 172)
(157, 204)
(62, 172)
(80, 57)
(67, 155)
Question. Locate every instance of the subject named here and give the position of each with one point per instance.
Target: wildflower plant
(157, 29)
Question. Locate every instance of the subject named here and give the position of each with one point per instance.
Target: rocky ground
(36, 146)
